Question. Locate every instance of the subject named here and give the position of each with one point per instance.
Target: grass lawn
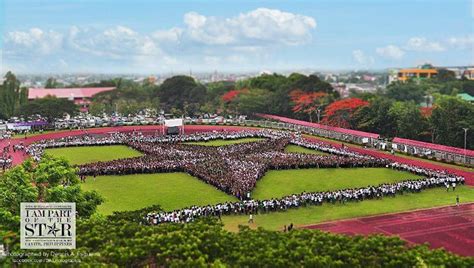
(221, 142)
(279, 183)
(326, 212)
(170, 190)
(291, 148)
(88, 154)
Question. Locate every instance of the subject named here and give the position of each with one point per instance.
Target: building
(469, 74)
(80, 96)
(466, 97)
(426, 71)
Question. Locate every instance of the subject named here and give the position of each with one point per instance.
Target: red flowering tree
(307, 102)
(339, 113)
(229, 96)
(426, 111)
(230, 99)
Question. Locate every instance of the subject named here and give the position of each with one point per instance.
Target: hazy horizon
(164, 37)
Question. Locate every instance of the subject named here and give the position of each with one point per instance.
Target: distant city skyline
(151, 37)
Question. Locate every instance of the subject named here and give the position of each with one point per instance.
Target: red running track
(450, 227)
(18, 157)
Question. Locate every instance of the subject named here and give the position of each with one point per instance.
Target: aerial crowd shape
(233, 169)
(236, 168)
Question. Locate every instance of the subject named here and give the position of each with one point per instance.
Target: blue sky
(172, 36)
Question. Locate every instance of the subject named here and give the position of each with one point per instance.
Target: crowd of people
(5, 135)
(252, 207)
(233, 169)
(236, 168)
(6, 159)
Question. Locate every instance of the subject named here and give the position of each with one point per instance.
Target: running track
(18, 157)
(450, 227)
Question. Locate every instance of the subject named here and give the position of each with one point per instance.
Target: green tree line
(425, 110)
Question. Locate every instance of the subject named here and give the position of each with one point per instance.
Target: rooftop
(86, 92)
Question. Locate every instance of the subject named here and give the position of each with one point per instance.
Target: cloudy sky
(116, 36)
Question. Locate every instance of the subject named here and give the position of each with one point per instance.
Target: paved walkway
(450, 227)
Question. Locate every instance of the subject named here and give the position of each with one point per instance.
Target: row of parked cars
(20, 125)
(88, 122)
(91, 121)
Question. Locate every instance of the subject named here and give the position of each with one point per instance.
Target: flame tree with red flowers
(308, 102)
(340, 113)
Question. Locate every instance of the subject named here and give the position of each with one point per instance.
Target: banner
(174, 122)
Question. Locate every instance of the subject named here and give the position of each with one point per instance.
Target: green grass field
(88, 154)
(279, 183)
(223, 142)
(327, 212)
(170, 190)
(178, 190)
(299, 149)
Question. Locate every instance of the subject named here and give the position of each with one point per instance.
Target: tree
(231, 95)
(16, 186)
(253, 101)
(445, 75)
(51, 180)
(406, 91)
(120, 240)
(311, 83)
(52, 83)
(49, 107)
(409, 120)
(448, 119)
(178, 90)
(340, 113)
(11, 96)
(308, 103)
(375, 118)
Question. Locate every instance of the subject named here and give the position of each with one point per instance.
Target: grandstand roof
(433, 146)
(325, 127)
(85, 92)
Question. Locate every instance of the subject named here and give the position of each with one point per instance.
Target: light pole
(465, 139)
(319, 113)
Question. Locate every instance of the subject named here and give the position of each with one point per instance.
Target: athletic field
(179, 190)
(88, 154)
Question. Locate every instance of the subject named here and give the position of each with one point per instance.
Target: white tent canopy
(174, 122)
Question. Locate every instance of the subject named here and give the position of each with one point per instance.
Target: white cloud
(242, 39)
(119, 32)
(259, 25)
(361, 58)
(390, 52)
(172, 35)
(422, 44)
(194, 20)
(463, 42)
(34, 41)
